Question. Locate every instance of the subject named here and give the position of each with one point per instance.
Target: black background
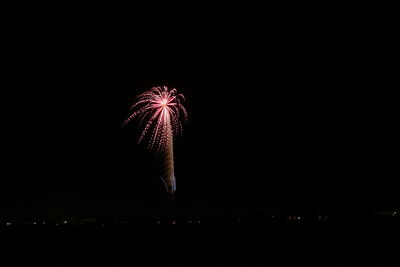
(285, 110)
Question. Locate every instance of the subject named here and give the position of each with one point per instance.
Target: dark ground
(273, 239)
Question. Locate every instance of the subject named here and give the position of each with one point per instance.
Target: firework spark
(160, 110)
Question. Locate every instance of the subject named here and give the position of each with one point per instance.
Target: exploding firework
(160, 110)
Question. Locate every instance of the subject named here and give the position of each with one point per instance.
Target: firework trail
(160, 110)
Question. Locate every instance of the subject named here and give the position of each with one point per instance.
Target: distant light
(34, 222)
(56, 224)
(44, 222)
(65, 222)
(298, 218)
(190, 221)
(8, 224)
(158, 222)
(198, 222)
(173, 222)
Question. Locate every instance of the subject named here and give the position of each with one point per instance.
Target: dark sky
(284, 112)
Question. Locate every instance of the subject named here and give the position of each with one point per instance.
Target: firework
(160, 111)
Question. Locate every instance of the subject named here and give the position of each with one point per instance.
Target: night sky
(284, 112)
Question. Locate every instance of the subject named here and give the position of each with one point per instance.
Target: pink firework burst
(160, 110)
